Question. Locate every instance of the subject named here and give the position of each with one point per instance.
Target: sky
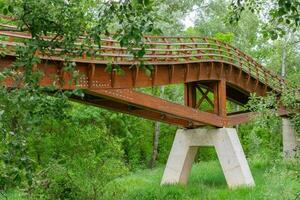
(190, 18)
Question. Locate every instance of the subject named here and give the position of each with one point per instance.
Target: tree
(156, 134)
(25, 110)
(280, 14)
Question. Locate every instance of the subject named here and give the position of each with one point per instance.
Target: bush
(87, 159)
(56, 183)
(278, 177)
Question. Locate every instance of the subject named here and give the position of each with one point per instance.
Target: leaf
(109, 67)
(68, 93)
(5, 11)
(148, 72)
(287, 21)
(1, 112)
(141, 52)
(10, 9)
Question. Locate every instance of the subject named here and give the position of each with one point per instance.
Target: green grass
(274, 180)
(207, 182)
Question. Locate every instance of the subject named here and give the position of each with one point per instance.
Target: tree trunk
(237, 109)
(156, 133)
(155, 145)
(283, 60)
(284, 55)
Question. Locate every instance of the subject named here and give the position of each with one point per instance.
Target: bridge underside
(150, 107)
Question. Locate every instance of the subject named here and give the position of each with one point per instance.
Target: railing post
(190, 95)
(220, 98)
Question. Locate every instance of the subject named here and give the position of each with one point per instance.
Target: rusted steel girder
(153, 108)
(219, 96)
(164, 107)
(217, 79)
(94, 75)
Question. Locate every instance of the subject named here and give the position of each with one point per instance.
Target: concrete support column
(290, 140)
(229, 151)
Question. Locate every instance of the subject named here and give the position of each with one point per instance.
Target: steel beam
(146, 105)
(93, 74)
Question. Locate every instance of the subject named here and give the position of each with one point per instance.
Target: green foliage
(91, 160)
(268, 107)
(262, 138)
(208, 182)
(53, 149)
(57, 183)
(23, 115)
(210, 23)
(280, 176)
(283, 16)
(37, 131)
(225, 37)
(291, 100)
(30, 120)
(75, 27)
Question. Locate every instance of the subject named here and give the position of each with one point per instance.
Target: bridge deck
(199, 63)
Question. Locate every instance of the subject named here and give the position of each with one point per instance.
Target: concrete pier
(229, 150)
(290, 141)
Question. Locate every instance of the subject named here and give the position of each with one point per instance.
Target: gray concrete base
(290, 141)
(229, 150)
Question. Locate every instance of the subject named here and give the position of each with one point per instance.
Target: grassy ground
(274, 181)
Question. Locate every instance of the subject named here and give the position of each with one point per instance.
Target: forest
(55, 148)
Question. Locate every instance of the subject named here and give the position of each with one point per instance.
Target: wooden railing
(159, 50)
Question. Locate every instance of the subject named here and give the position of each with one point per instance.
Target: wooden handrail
(196, 48)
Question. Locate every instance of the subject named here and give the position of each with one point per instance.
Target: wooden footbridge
(203, 65)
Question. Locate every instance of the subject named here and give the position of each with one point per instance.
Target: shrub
(56, 183)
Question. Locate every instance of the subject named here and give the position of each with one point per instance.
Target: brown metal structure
(205, 66)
